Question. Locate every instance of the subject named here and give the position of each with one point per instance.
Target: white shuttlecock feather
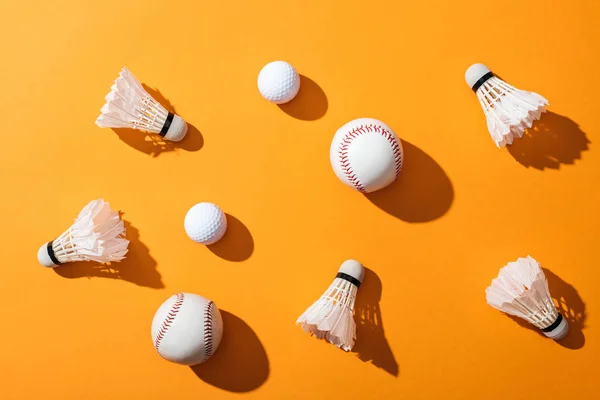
(128, 105)
(332, 316)
(521, 289)
(98, 234)
(508, 110)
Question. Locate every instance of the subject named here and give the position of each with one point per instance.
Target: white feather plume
(508, 110)
(128, 105)
(521, 289)
(98, 234)
(332, 316)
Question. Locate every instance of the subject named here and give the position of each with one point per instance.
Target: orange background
(432, 242)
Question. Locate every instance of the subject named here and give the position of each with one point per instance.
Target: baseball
(278, 82)
(187, 329)
(366, 155)
(205, 223)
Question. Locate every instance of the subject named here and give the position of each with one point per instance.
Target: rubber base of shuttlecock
(354, 269)
(278, 82)
(560, 331)
(474, 73)
(177, 130)
(205, 223)
(44, 257)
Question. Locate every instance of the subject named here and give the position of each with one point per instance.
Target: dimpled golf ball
(205, 223)
(278, 82)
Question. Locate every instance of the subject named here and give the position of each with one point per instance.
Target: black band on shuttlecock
(482, 80)
(348, 278)
(554, 325)
(51, 254)
(167, 124)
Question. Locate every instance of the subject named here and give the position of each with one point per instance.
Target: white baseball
(187, 329)
(366, 155)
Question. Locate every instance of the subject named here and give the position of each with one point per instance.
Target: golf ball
(205, 223)
(278, 82)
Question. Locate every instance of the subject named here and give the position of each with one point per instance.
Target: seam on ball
(208, 330)
(353, 134)
(168, 321)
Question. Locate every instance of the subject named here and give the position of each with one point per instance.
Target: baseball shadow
(237, 243)
(570, 305)
(552, 141)
(138, 266)
(371, 343)
(240, 364)
(154, 144)
(423, 192)
(309, 104)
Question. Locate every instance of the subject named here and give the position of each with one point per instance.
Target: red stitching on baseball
(208, 330)
(353, 134)
(167, 322)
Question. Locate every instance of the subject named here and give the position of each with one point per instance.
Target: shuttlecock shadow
(138, 266)
(554, 140)
(371, 344)
(423, 192)
(240, 364)
(570, 305)
(153, 144)
(237, 243)
(309, 104)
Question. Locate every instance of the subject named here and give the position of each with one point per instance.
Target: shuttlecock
(508, 110)
(128, 105)
(521, 289)
(98, 234)
(278, 82)
(205, 223)
(332, 316)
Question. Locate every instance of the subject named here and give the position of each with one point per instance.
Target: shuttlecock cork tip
(558, 330)
(177, 129)
(44, 255)
(354, 269)
(475, 73)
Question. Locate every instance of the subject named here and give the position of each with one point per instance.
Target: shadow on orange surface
(423, 192)
(552, 141)
(570, 305)
(371, 344)
(237, 243)
(240, 364)
(309, 104)
(154, 144)
(138, 267)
